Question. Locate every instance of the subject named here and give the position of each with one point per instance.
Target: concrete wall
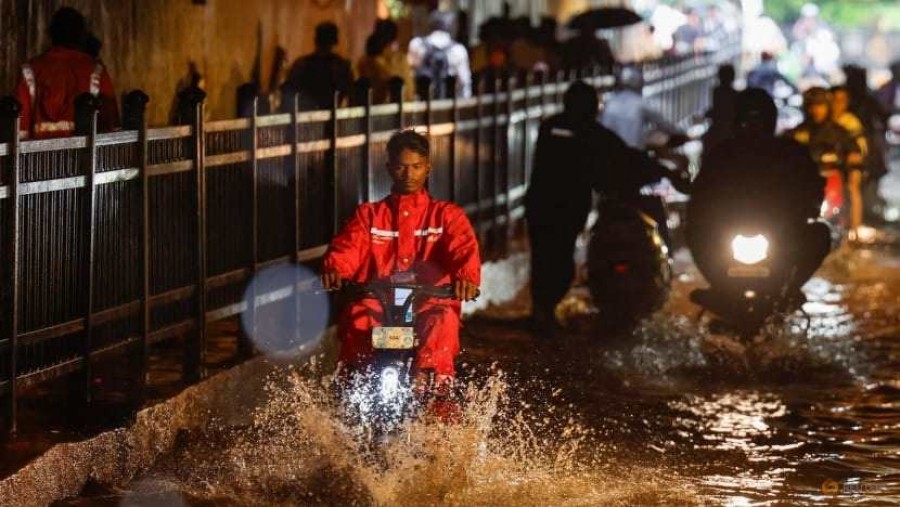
(150, 44)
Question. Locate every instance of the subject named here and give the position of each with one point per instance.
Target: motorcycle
(834, 208)
(628, 259)
(751, 263)
(629, 268)
(385, 395)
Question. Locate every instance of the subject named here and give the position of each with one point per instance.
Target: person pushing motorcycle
(407, 237)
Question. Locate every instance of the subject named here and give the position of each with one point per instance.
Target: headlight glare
(750, 249)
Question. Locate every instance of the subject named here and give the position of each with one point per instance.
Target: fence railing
(112, 243)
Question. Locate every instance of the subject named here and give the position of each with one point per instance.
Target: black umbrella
(604, 17)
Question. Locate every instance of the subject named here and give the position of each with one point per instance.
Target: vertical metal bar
(138, 100)
(294, 135)
(366, 181)
(454, 158)
(9, 109)
(90, 247)
(195, 346)
(294, 138)
(254, 185)
(496, 176)
(428, 94)
(400, 102)
(526, 133)
(245, 347)
(332, 177)
(479, 112)
(510, 135)
(428, 98)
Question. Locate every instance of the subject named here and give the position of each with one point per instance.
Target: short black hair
(326, 35)
(580, 101)
(726, 73)
(408, 140)
(386, 29)
(67, 28)
(755, 107)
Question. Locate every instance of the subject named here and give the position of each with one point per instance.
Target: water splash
(299, 449)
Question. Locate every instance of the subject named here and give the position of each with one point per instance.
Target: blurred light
(865, 234)
(287, 322)
(750, 250)
(390, 383)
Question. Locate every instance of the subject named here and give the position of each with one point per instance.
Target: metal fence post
(192, 104)
(526, 132)
(87, 109)
(332, 176)
(294, 137)
(245, 344)
(479, 113)
(396, 86)
(134, 118)
(366, 175)
(454, 158)
(511, 84)
(496, 176)
(429, 93)
(9, 284)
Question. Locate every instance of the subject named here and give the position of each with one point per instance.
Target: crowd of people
(441, 63)
(847, 121)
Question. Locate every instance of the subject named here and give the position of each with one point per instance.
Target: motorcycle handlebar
(446, 291)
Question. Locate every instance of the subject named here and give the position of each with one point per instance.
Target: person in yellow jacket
(384, 61)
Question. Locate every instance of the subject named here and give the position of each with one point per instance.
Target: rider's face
(817, 112)
(409, 171)
(839, 103)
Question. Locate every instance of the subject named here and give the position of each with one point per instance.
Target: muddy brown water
(669, 415)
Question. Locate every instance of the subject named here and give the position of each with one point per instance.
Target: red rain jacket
(47, 89)
(415, 233)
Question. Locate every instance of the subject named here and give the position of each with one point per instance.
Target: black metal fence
(112, 243)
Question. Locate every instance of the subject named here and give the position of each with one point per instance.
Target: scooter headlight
(390, 382)
(750, 249)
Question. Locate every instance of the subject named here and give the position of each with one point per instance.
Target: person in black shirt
(574, 156)
(759, 178)
(318, 75)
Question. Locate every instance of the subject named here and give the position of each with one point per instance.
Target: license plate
(749, 272)
(396, 338)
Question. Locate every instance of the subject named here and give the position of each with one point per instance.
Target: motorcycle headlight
(749, 249)
(390, 382)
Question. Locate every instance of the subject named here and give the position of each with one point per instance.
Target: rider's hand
(465, 291)
(331, 280)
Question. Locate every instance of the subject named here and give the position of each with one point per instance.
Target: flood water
(670, 415)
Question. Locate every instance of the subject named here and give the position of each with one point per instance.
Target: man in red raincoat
(408, 233)
(49, 83)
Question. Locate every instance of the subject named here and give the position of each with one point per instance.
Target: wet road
(671, 415)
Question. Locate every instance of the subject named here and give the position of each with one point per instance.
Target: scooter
(834, 204)
(628, 261)
(750, 261)
(629, 268)
(384, 396)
